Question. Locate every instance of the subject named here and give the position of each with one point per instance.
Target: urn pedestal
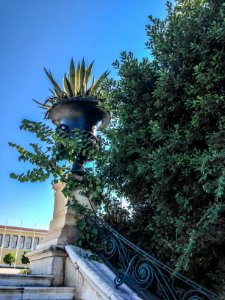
(50, 257)
(62, 230)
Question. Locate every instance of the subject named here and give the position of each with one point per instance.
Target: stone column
(50, 257)
(62, 230)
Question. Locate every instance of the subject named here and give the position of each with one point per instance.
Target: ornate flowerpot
(79, 113)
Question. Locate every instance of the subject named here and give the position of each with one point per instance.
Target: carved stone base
(49, 261)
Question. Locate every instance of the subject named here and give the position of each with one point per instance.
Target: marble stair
(32, 287)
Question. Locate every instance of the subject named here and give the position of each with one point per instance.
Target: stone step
(25, 280)
(36, 293)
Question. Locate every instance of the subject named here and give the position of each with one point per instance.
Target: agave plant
(75, 85)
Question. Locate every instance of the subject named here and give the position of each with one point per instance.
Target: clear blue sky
(48, 33)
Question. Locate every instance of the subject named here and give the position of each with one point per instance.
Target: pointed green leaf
(72, 76)
(98, 82)
(82, 76)
(49, 100)
(53, 93)
(45, 106)
(88, 74)
(77, 79)
(54, 83)
(67, 87)
(92, 84)
(57, 93)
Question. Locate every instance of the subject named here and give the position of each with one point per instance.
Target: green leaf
(72, 77)
(98, 82)
(82, 76)
(53, 93)
(95, 231)
(54, 83)
(98, 188)
(67, 86)
(77, 79)
(45, 106)
(92, 84)
(57, 93)
(88, 74)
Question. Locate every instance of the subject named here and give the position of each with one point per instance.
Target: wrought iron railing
(142, 272)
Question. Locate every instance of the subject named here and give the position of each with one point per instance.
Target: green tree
(24, 259)
(167, 148)
(9, 258)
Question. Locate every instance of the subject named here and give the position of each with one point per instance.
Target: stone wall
(91, 279)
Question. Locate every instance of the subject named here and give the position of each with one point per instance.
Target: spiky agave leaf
(75, 85)
(77, 79)
(51, 100)
(95, 86)
(72, 77)
(53, 93)
(57, 93)
(88, 75)
(54, 83)
(67, 86)
(92, 84)
(44, 106)
(82, 77)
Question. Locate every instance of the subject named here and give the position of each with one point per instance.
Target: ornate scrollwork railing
(142, 272)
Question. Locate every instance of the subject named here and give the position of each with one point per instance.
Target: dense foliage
(167, 152)
(9, 258)
(24, 259)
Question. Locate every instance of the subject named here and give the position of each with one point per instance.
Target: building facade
(18, 240)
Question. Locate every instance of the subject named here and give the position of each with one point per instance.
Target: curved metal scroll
(141, 271)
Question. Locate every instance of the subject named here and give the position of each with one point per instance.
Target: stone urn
(79, 113)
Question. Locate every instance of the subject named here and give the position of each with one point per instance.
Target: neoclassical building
(18, 240)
